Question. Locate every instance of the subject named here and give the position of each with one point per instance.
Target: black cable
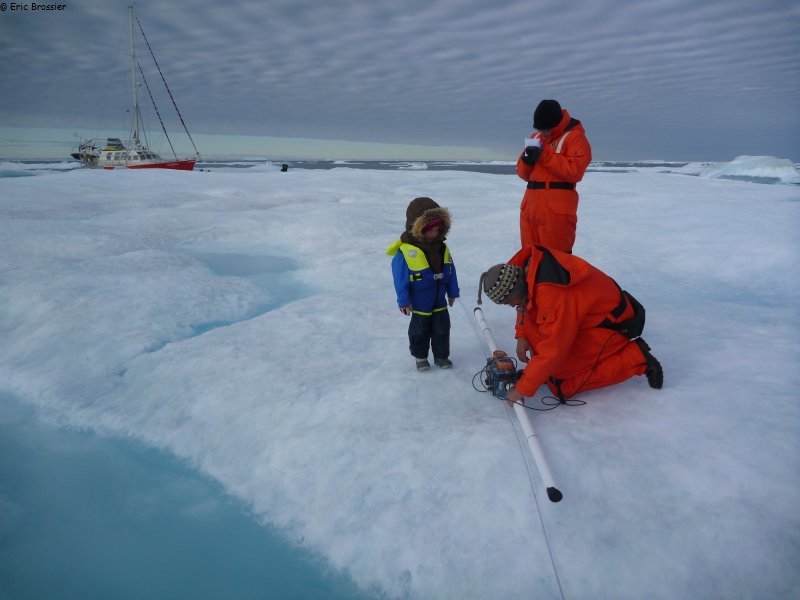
(158, 114)
(544, 400)
(594, 367)
(175, 104)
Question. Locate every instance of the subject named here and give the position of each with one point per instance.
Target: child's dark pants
(433, 331)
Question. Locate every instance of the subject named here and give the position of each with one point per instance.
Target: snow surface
(246, 322)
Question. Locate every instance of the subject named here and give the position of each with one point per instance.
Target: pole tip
(554, 494)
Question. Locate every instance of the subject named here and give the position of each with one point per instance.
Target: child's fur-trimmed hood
(427, 217)
(422, 211)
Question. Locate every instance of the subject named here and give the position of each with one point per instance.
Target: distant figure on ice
(553, 162)
(284, 168)
(425, 281)
(576, 328)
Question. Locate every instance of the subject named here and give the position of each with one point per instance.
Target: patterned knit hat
(500, 282)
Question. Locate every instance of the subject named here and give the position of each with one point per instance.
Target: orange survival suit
(569, 322)
(549, 210)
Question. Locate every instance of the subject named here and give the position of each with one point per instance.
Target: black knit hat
(500, 282)
(547, 115)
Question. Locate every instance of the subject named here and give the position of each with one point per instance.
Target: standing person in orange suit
(576, 329)
(553, 162)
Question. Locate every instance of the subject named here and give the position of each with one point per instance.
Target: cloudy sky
(672, 79)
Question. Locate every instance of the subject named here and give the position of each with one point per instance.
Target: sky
(245, 321)
(668, 80)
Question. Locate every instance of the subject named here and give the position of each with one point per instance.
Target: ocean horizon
(759, 169)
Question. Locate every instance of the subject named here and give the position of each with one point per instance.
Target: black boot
(654, 372)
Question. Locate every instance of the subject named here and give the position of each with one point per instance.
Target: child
(425, 281)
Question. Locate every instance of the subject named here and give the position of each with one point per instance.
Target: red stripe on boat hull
(178, 165)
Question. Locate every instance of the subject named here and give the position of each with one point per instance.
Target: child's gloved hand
(451, 301)
(406, 310)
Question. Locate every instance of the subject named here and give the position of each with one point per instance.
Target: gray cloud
(673, 79)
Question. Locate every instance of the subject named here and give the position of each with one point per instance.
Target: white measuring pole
(553, 493)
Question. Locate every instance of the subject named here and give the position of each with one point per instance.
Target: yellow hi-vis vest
(420, 270)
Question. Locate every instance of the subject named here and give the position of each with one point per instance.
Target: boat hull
(177, 165)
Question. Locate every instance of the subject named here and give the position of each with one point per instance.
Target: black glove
(531, 155)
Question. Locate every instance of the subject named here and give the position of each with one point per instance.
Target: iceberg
(754, 168)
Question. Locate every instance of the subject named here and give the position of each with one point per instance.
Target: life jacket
(427, 290)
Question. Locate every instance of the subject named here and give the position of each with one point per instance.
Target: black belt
(623, 304)
(553, 185)
(618, 309)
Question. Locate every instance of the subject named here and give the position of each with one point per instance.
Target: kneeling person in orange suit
(576, 328)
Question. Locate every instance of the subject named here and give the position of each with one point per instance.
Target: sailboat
(112, 153)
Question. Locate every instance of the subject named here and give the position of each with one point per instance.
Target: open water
(83, 517)
(28, 168)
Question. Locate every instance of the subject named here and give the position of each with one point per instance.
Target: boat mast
(135, 130)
